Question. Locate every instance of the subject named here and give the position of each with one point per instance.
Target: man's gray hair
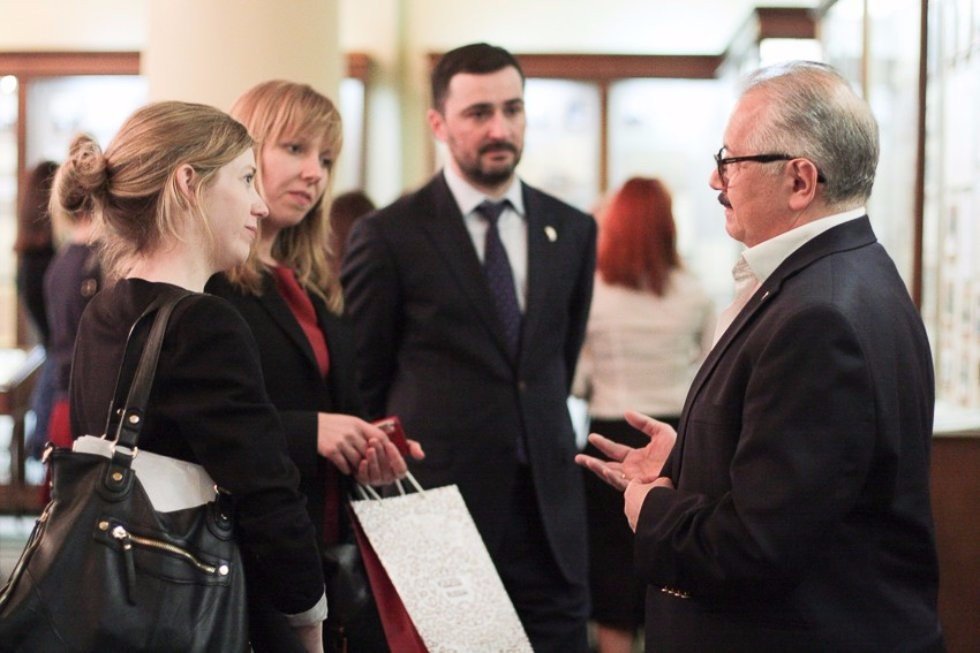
(815, 114)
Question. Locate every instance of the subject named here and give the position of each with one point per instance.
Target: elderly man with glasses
(792, 513)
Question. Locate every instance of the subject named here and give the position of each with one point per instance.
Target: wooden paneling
(57, 64)
(956, 507)
(607, 67)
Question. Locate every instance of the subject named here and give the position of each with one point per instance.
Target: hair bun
(84, 176)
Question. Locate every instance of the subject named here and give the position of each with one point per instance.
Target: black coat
(801, 519)
(293, 379)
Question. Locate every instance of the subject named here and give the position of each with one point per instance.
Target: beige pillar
(210, 51)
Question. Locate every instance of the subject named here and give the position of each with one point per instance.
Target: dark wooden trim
(57, 64)
(17, 496)
(21, 329)
(918, 235)
(786, 23)
(608, 67)
(955, 494)
(603, 137)
(866, 52)
(359, 65)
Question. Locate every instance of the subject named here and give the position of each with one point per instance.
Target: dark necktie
(500, 277)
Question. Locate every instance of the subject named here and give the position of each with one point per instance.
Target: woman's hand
(344, 440)
(384, 464)
(359, 448)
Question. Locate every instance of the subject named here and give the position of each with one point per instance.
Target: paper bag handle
(366, 492)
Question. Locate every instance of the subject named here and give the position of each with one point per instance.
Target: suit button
(521, 387)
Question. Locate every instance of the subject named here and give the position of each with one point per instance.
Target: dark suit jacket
(293, 379)
(431, 350)
(801, 519)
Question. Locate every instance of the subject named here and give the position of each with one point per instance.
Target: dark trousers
(553, 611)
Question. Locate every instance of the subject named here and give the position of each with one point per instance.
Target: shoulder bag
(135, 551)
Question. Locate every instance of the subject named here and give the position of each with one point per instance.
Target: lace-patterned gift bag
(430, 548)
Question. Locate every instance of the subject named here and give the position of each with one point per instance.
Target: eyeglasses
(721, 162)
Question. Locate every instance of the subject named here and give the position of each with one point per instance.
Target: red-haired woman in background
(650, 326)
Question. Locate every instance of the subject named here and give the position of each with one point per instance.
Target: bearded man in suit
(470, 299)
(793, 511)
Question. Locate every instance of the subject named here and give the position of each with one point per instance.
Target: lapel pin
(550, 232)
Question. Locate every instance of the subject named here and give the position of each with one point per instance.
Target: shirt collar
(468, 198)
(764, 258)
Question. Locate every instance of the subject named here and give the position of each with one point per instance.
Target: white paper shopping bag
(438, 563)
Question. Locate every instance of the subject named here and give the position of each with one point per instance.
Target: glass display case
(951, 265)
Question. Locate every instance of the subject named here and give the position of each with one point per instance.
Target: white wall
(113, 25)
(210, 51)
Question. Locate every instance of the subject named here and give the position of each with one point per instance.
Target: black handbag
(104, 571)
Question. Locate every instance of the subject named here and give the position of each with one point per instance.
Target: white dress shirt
(512, 225)
(757, 263)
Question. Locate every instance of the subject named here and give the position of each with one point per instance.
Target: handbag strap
(127, 422)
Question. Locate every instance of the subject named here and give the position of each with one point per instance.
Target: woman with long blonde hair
(290, 297)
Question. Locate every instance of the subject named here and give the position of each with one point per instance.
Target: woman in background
(174, 199)
(650, 326)
(289, 296)
(35, 250)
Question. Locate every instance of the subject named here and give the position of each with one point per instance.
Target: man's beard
(482, 177)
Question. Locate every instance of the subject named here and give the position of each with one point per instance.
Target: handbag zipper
(127, 540)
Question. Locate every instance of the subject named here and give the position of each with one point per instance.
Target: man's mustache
(500, 146)
(723, 200)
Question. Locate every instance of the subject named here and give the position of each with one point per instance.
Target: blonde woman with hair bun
(174, 201)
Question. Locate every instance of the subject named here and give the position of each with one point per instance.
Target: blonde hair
(131, 190)
(270, 110)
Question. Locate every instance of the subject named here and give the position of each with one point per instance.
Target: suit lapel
(447, 231)
(542, 233)
(850, 235)
(280, 312)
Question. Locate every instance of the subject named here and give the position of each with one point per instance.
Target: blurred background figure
(344, 212)
(35, 250)
(650, 326)
(71, 280)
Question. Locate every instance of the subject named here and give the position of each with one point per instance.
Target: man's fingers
(643, 423)
(611, 473)
(614, 450)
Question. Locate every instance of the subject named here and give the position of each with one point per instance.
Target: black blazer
(208, 406)
(431, 350)
(801, 519)
(293, 379)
